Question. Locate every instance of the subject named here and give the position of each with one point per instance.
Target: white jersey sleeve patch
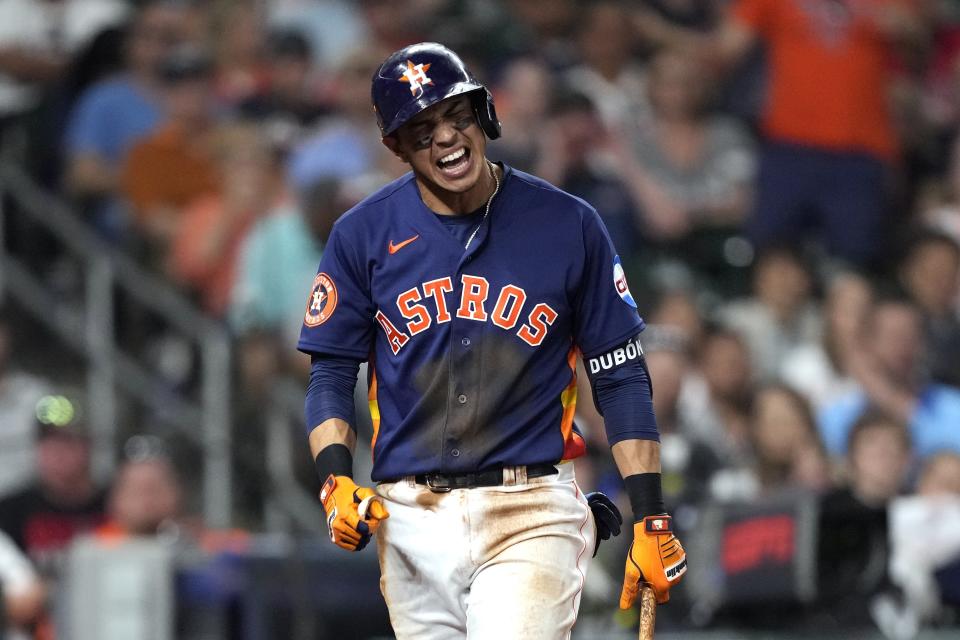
(620, 283)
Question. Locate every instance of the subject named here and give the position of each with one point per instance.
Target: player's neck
(452, 203)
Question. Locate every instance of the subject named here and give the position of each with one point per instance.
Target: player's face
(444, 145)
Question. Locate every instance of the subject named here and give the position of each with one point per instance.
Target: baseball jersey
(472, 352)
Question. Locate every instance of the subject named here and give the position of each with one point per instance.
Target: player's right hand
(353, 513)
(656, 557)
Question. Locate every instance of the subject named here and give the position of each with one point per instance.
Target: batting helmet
(421, 75)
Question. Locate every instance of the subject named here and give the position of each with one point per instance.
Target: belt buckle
(429, 478)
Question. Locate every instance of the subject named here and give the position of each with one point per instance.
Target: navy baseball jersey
(472, 352)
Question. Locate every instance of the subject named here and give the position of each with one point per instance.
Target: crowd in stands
(780, 177)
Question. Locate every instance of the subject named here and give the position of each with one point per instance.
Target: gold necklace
(486, 212)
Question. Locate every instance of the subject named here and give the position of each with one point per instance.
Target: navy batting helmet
(421, 75)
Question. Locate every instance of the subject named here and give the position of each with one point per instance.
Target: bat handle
(364, 506)
(648, 612)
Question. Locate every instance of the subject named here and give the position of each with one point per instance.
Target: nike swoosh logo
(393, 248)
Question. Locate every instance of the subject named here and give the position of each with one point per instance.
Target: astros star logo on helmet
(416, 75)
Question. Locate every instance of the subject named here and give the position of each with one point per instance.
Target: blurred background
(780, 177)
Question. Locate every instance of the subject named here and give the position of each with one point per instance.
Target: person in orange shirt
(146, 495)
(829, 135)
(147, 500)
(206, 245)
(175, 165)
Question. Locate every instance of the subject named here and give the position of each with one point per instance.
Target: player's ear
(391, 142)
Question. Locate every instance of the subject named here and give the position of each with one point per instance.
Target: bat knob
(364, 506)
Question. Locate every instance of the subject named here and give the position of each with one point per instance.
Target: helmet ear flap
(486, 113)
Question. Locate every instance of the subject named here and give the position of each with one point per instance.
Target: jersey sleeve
(338, 318)
(606, 313)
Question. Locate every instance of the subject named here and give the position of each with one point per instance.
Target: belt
(443, 482)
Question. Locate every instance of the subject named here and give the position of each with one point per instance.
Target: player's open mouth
(455, 165)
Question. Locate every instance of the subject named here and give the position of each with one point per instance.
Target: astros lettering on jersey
(474, 346)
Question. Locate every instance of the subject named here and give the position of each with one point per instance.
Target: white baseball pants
(499, 563)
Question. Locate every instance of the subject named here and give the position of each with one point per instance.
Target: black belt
(443, 482)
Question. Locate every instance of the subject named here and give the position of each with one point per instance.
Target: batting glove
(656, 557)
(606, 516)
(353, 513)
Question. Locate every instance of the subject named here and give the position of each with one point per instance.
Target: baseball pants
(491, 562)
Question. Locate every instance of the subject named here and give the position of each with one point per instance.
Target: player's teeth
(453, 156)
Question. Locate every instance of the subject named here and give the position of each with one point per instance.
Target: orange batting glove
(656, 557)
(353, 513)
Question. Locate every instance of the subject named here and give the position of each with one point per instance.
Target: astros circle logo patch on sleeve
(322, 301)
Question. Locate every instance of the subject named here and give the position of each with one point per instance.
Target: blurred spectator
(345, 144)
(206, 244)
(21, 590)
(278, 261)
(609, 76)
(37, 38)
(19, 393)
(687, 464)
(688, 169)
(661, 22)
(878, 458)
(113, 114)
(545, 26)
(853, 547)
(939, 205)
(781, 315)
(941, 106)
(925, 540)
(829, 135)
(716, 401)
(682, 24)
(787, 446)
(572, 142)
(173, 166)
(291, 104)
(678, 308)
(101, 57)
(145, 496)
(333, 28)
(147, 499)
(524, 96)
(241, 63)
(786, 450)
(821, 370)
(64, 502)
(940, 475)
(396, 23)
(887, 365)
(930, 274)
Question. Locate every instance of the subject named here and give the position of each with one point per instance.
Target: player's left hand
(353, 513)
(656, 557)
(606, 516)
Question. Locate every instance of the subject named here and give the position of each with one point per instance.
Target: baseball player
(471, 288)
